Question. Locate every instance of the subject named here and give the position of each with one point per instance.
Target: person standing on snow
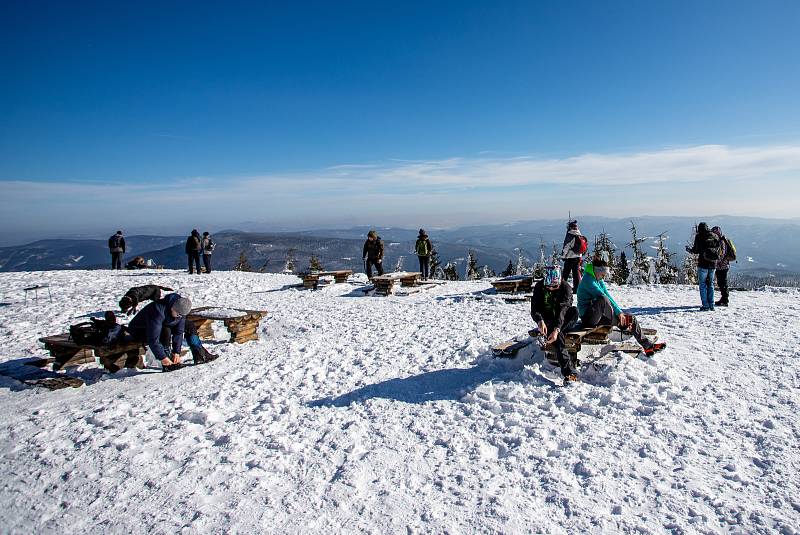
(116, 246)
(707, 248)
(424, 248)
(193, 248)
(575, 245)
(373, 253)
(597, 307)
(727, 255)
(553, 313)
(208, 247)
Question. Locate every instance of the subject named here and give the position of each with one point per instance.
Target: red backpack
(581, 245)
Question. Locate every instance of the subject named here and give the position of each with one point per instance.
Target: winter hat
(182, 306)
(422, 233)
(195, 232)
(372, 234)
(205, 233)
(573, 225)
(702, 227)
(717, 231)
(119, 232)
(552, 276)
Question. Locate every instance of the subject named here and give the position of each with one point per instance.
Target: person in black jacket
(161, 326)
(373, 253)
(707, 247)
(193, 247)
(138, 294)
(116, 246)
(553, 313)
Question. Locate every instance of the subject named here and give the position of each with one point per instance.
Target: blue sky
(402, 113)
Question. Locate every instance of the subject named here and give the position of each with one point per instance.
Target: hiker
(138, 294)
(553, 313)
(161, 326)
(597, 307)
(727, 255)
(137, 262)
(575, 245)
(707, 248)
(116, 245)
(424, 248)
(373, 253)
(208, 247)
(193, 247)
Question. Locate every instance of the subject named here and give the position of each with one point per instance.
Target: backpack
(96, 332)
(210, 245)
(711, 247)
(581, 244)
(422, 248)
(115, 242)
(730, 250)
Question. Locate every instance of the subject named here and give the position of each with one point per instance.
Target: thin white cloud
(679, 178)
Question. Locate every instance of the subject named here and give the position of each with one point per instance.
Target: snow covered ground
(387, 415)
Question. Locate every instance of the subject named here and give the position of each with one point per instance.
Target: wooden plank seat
(311, 280)
(514, 284)
(65, 352)
(384, 284)
(241, 324)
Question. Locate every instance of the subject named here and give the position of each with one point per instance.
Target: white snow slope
(387, 415)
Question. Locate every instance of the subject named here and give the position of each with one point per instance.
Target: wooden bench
(241, 324)
(311, 280)
(65, 352)
(514, 284)
(384, 284)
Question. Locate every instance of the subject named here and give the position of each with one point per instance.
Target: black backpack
(712, 247)
(95, 332)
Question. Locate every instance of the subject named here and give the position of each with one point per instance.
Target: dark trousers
(567, 362)
(722, 280)
(602, 313)
(116, 260)
(194, 257)
(572, 266)
(377, 264)
(207, 262)
(424, 266)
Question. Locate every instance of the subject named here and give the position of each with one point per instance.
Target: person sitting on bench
(137, 294)
(597, 307)
(553, 313)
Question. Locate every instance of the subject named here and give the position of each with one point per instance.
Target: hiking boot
(655, 348)
(721, 303)
(704, 309)
(171, 367)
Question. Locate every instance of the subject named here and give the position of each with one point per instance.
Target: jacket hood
(574, 232)
(170, 299)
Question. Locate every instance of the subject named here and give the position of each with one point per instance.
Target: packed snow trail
(388, 415)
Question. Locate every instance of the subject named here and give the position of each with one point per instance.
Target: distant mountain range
(763, 245)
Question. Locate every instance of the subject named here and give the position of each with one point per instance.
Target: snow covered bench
(514, 284)
(311, 280)
(384, 284)
(241, 324)
(65, 352)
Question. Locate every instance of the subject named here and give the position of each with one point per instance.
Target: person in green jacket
(597, 307)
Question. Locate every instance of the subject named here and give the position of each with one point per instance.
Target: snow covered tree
(399, 264)
(604, 248)
(487, 272)
(242, 264)
(449, 272)
(472, 273)
(509, 270)
(688, 271)
(640, 265)
(435, 264)
(314, 264)
(288, 266)
(521, 267)
(540, 265)
(666, 270)
(621, 273)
